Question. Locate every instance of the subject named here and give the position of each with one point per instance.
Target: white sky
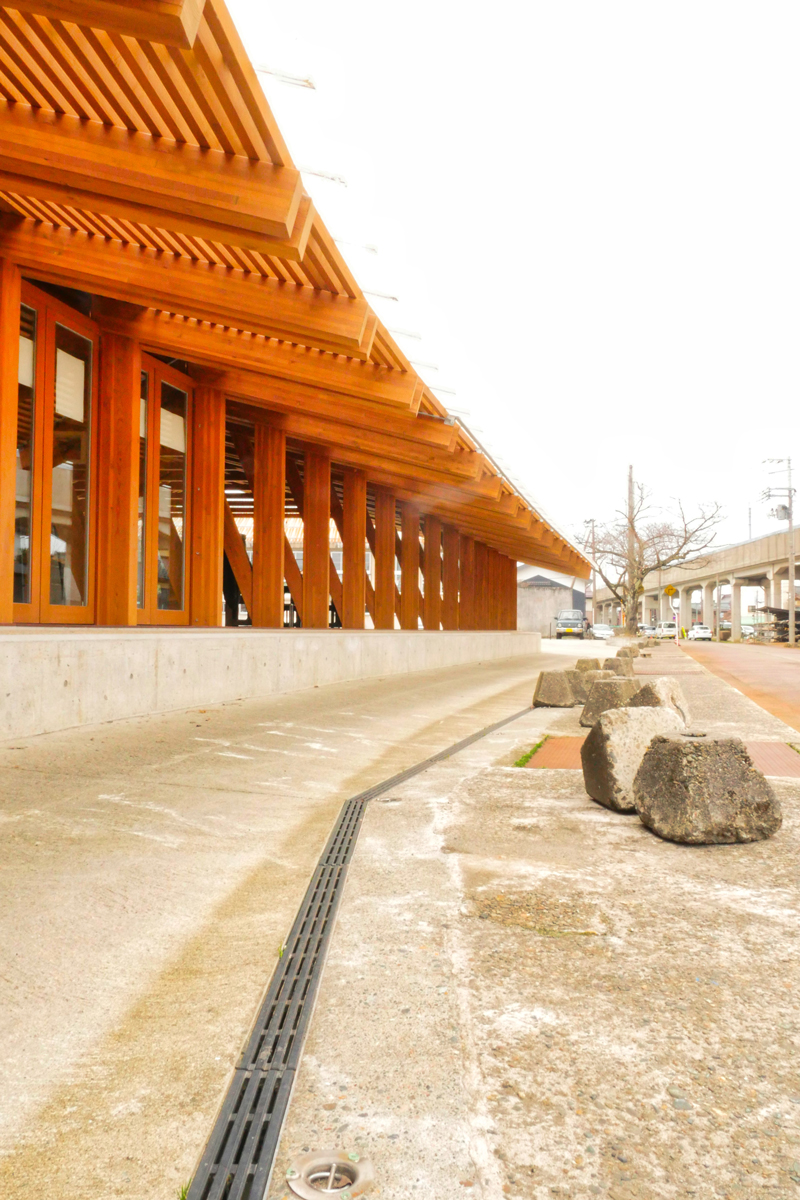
(588, 211)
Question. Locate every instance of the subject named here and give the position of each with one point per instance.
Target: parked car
(666, 629)
(602, 631)
(570, 622)
(700, 633)
(647, 631)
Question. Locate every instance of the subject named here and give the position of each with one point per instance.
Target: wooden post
(269, 495)
(466, 600)
(354, 558)
(482, 599)
(409, 567)
(450, 571)
(118, 479)
(10, 284)
(512, 593)
(432, 570)
(316, 540)
(208, 498)
(384, 559)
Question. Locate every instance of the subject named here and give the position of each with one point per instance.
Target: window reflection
(23, 515)
(171, 497)
(69, 520)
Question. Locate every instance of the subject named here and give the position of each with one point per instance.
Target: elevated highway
(762, 562)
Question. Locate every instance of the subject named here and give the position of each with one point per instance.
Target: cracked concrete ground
(530, 996)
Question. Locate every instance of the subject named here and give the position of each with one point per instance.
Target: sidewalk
(530, 996)
(149, 870)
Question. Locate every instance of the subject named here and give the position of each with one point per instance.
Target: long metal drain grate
(237, 1161)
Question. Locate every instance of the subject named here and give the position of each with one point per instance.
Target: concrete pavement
(149, 870)
(529, 996)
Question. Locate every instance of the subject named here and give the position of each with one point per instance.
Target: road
(770, 675)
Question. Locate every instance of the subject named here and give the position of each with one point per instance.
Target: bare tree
(642, 539)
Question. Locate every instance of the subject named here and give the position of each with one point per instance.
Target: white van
(666, 629)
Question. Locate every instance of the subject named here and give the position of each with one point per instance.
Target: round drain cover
(330, 1173)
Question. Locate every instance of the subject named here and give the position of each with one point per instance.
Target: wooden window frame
(49, 313)
(150, 613)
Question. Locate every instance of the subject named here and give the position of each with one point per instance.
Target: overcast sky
(589, 214)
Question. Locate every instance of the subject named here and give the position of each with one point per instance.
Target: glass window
(25, 413)
(171, 497)
(69, 518)
(141, 527)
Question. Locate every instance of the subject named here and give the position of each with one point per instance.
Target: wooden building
(182, 346)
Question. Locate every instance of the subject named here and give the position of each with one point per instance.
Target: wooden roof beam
(254, 357)
(172, 181)
(195, 289)
(174, 22)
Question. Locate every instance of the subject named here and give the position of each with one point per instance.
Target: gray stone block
(613, 752)
(553, 690)
(704, 792)
(606, 694)
(588, 664)
(619, 666)
(662, 692)
(628, 652)
(581, 682)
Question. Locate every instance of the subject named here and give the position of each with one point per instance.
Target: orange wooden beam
(354, 577)
(432, 571)
(10, 284)
(174, 22)
(316, 540)
(208, 495)
(409, 567)
(118, 480)
(269, 492)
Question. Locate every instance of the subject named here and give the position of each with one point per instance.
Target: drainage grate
(237, 1161)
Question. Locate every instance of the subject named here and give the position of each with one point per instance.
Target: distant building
(540, 598)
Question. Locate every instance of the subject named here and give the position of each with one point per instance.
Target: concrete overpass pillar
(708, 604)
(736, 610)
(686, 608)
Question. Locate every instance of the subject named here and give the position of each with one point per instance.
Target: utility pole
(631, 552)
(785, 512)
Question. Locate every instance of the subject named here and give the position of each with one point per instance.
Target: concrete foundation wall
(537, 607)
(60, 678)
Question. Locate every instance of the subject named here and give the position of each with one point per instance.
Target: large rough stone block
(588, 664)
(628, 652)
(613, 752)
(662, 692)
(606, 694)
(700, 792)
(619, 666)
(581, 682)
(553, 690)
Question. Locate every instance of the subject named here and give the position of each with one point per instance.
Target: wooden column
(450, 571)
(207, 514)
(269, 494)
(354, 558)
(409, 567)
(384, 559)
(512, 593)
(482, 598)
(466, 599)
(432, 570)
(118, 479)
(316, 540)
(9, 390)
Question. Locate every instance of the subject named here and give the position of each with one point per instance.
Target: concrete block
(553, 690)
(708, 792)
(588, 664)
(619, 666)
(613, 752)
(628, 652)
(581, 682)
(606, 694)
(662, 692)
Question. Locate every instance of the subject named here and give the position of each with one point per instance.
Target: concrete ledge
(62, 677)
